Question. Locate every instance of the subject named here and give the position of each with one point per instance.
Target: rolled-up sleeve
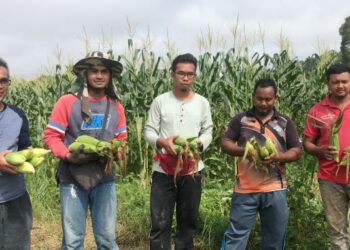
(151, 129)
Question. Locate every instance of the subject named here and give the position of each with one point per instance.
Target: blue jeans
(273, 210)
(75, 203)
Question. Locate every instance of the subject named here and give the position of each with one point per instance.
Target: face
(184, 76)
(339, 85)
(264, 100)
(4, 76)
(98, 77)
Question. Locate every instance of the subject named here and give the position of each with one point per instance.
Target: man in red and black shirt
(91, 110)
(257, 190)
(333, 179)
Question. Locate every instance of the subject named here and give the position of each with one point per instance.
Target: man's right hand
(328, 152)
(4, 166)
(168, 144)
(79, 157)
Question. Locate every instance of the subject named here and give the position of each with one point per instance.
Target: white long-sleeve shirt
(169, 116)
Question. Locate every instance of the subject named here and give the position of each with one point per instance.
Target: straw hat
(97, 58)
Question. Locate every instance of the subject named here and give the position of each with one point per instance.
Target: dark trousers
(16, 223)
(164, 195)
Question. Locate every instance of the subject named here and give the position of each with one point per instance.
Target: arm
(54, 141)
(206, 131)
(312, 148)
(231, 148)
(312, 134)
(24, 135)
(121, 131)
(290, 155)
(54, 133)
(229, 141)
(152, 128)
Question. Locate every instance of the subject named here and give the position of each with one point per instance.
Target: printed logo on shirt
(96, 122)
(328, 116)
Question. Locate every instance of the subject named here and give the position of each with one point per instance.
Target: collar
(327, 102)
(4, 106)
(252, 113)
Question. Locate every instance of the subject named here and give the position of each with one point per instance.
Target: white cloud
(32, 30)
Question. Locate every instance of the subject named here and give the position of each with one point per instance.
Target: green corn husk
(25, 167)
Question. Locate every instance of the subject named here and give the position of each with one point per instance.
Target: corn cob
(25, 167)
(15, 158)
(36, 161)
(257, 152)
(40, 152)
(85, 147)
(88, 139)
(27, 153)
(271, 147)
(112, 150)
(25, 160)
(187, 152)
(345, 162)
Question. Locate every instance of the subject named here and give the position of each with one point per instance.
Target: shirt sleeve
(24, 135)
(234, 128)
(152, 126)
(54, 133)
(121, 131)
(310, 130)
(205, 133)
(292, 137)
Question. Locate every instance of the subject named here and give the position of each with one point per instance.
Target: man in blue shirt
(15, 207)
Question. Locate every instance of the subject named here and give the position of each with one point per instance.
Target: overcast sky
(33, 31)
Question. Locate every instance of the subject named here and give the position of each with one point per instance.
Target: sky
(36, 35)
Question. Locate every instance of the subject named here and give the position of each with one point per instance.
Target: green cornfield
(226, 79)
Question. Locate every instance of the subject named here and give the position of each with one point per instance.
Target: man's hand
(4, 166)
(327, 152)
(272, 158)
(167, 144)
(79, 157)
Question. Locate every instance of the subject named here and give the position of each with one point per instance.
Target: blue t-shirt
(14, 135)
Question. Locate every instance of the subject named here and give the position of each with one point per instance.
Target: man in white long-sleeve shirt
(180, 112)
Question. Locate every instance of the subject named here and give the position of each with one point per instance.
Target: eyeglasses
(5, 82)
(190, 75)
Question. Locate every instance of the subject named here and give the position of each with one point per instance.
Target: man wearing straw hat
(91, 109)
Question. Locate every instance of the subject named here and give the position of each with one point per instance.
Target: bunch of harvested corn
(345, 162)
(187, 152)
(113, 150)
(26, 160)
(334, 131)
(257, 152)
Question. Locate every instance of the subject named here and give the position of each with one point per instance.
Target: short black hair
(337, 69)
(264, 83)
(185, 58)
(3, 63)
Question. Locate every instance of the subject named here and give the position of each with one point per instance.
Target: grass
(306, 213)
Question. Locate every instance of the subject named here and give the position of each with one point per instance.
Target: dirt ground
(48, 235)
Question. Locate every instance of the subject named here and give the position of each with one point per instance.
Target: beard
(98, 90)
(185, 88)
